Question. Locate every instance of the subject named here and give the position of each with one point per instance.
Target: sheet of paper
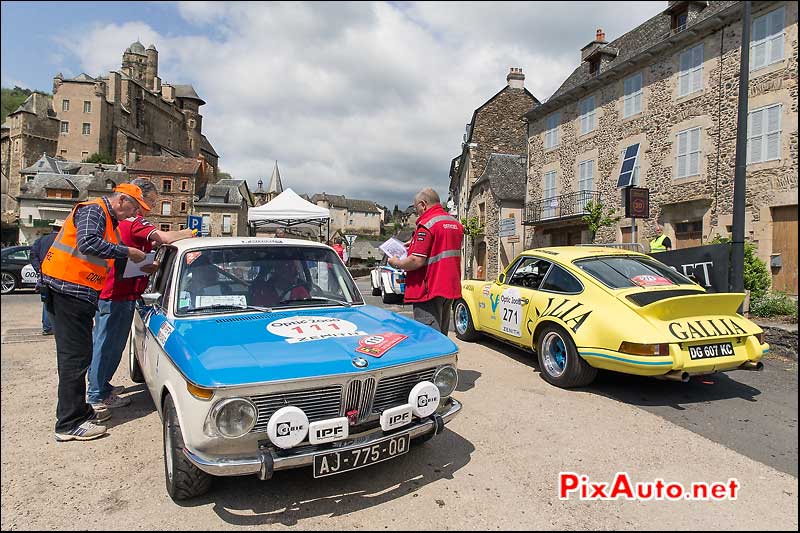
(226, 299)
(135, 269)
(393, 247)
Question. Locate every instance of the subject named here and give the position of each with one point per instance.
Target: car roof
(572, 253)
(198, 243)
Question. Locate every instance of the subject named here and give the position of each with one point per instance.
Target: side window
(559, 280)
(160, 281)
(529, 273)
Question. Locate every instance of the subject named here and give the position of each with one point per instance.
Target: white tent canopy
(288, 209)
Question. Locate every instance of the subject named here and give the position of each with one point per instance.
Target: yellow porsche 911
(583, 308)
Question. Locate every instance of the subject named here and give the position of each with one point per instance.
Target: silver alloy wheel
(554, 354)
(9, 283)
(461, 317)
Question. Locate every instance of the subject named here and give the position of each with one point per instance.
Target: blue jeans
(112, 323)
(46, 325)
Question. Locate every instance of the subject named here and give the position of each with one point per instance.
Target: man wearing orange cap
(74, 271)
(115, 309)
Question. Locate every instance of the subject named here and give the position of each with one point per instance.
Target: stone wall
(709, 195)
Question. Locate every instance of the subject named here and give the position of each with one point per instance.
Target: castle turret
(134, 62)
(151, 70)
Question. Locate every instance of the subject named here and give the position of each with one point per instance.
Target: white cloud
(367, 100)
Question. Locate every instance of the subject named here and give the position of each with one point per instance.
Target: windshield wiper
(230, 307)
(317, 299)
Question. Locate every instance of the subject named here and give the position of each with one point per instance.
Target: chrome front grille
(394, 390)
(360, 393)
(317, 404)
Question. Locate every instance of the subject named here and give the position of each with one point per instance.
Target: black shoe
(48, 332)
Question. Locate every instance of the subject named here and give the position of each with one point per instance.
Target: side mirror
(501, 278)
(151, 298)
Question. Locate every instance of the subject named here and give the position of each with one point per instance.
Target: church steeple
(275, 185)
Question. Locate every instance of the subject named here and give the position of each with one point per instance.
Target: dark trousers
(434, 313)
(72, 321)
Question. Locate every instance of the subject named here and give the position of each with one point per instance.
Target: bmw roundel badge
(360, 362)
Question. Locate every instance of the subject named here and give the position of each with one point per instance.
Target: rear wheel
(184, 480)
(134, 370)
(9, 283)
(559, 361)
(465, 327)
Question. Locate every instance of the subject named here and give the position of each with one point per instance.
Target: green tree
(99, 157)
(757, 278)
(597, 217)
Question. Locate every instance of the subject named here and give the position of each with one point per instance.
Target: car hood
(230, 350)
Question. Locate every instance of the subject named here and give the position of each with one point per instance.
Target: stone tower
(134, 62)
(151, 69)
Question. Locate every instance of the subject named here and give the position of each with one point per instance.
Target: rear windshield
(622, 272)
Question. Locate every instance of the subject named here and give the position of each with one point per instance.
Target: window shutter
(776, 21)
(756, 132)
(774, 137)
(697, 63)
(684, 84)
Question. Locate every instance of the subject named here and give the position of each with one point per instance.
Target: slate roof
(83, 183)
(224, 193)
(506, 176)
(631, 45)
(187, 91)
(206, 145)
(336, 200)
(164, 164)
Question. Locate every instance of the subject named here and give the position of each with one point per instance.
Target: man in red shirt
(433, 264)
(117, 302)
(339, 249)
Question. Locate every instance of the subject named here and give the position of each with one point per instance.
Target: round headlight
(234, 417)
(446, 379)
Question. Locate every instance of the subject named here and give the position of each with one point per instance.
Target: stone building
(499, 193)
(351, 216)
(496, 127)
(51, 188)
(126, 114)
(32, 129)
(224, 208)
(178, 181)
(656, 108)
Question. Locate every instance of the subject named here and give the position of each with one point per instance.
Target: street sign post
(195, 222)
(350, 239)
(508, 227)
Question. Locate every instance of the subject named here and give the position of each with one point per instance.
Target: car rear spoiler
(724, 303)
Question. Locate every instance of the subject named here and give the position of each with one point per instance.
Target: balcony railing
(559, 207)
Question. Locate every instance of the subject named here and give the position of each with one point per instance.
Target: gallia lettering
(700, 329)
(566, 311)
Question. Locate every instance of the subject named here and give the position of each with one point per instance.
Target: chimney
(157, 84)
(515, 78)
(599, 40)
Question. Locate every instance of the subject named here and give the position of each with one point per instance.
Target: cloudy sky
(369, 100)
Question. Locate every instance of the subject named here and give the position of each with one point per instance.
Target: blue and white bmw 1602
(261, 355)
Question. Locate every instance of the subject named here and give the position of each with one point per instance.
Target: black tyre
(464, 325)
(559, 361)
(134, 370)
(9, 282)
(389, 298)
(184, 480)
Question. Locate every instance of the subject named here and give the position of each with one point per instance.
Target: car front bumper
(265, 461)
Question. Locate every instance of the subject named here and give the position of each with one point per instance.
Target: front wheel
(465, 327)
(9, 283)
(559, 361)
(184, 480)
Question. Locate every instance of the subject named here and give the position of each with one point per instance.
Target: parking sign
(195, 223)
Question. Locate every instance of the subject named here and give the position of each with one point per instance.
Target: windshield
(623, 272)
(258, 277)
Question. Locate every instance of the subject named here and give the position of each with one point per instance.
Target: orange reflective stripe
(66, 262)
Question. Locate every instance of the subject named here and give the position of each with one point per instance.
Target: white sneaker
(86, 431)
